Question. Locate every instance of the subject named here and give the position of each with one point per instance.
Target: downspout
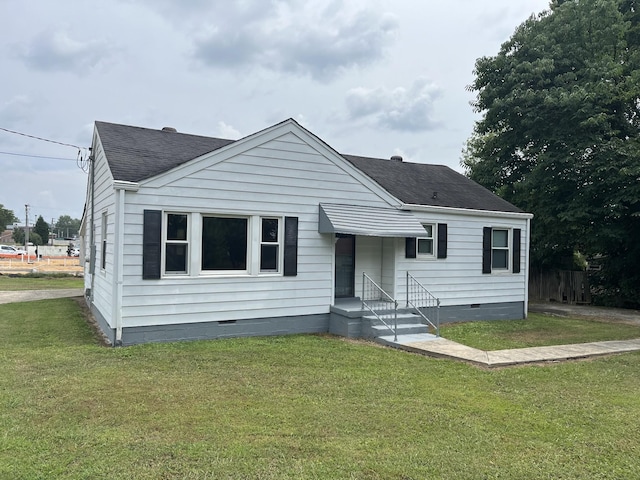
(92, 246)
(121, 187)
(118, 238)
(527, 267)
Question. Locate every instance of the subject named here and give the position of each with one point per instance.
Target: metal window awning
(368, 221)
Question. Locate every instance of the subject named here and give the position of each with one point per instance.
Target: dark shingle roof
(136, 153)
(434, 185)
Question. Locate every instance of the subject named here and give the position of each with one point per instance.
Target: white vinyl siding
(458, 279)
(102, 280)
(281, 177)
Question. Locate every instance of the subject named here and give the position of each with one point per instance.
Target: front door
(345, 265)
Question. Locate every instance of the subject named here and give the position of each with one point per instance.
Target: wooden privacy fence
(560, 286)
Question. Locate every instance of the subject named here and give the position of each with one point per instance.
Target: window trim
(249, 255)
(155, 241)
(166, 241)
(513, 249)
(279, 243)
(433, 238)
(506, 249)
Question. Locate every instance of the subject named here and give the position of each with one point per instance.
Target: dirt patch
(91, 321)
(69, 265)
(603, 314)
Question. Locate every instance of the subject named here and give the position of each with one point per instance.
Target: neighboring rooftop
(136, 153)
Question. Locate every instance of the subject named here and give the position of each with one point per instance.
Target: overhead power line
(37, 156)
(40, 138)
(82, 160)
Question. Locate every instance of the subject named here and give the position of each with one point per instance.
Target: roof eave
(464, 211)
(126, 185)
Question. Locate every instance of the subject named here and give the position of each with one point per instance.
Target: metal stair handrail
(421, 299)
(376, 300)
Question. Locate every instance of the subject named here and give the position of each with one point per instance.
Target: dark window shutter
(290, 246)
(410, 247)
(486, 250)
(442, 240)
(151, 244)
(516, 250)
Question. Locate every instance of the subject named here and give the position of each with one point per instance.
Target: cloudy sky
(369, 77)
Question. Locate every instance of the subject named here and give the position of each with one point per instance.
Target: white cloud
(318, 39)
(227, 131)
(56, 50)
(404, 109)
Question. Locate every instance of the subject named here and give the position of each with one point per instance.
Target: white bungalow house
(190, 237)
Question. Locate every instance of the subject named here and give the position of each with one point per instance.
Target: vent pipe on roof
(396, 158)
(169, 129)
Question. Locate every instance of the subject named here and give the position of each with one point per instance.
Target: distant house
(190, 237)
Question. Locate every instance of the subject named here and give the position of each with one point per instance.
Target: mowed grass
(537, 330)
(39, 282)
(298, 407)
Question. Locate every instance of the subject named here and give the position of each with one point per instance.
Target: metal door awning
(368, 221)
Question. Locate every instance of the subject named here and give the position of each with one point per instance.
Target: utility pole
(26, 230)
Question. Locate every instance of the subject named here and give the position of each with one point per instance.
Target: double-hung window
(269, 245)
(425, 244)
(431, 245)
(499, 249)
(176, 247)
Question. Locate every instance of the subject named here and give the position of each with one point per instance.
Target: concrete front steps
(408, 324)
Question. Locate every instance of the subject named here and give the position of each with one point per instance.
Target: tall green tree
(559, 134)
(7, 217)
(42, 229)
(68, 226)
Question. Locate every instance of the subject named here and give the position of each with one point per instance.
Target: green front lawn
(537, 330)
(297, 407)
(39, 282)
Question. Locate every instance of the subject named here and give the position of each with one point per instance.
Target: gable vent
(396, 158)
(169, 129)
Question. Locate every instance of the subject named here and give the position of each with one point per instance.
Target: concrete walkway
(31, 295)
(433, 346)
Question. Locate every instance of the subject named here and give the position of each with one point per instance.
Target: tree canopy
(7, 217)
(19, 237)
(68, 226)
(559, 134)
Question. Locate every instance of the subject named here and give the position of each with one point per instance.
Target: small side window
(425, 244)
(499, 249)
